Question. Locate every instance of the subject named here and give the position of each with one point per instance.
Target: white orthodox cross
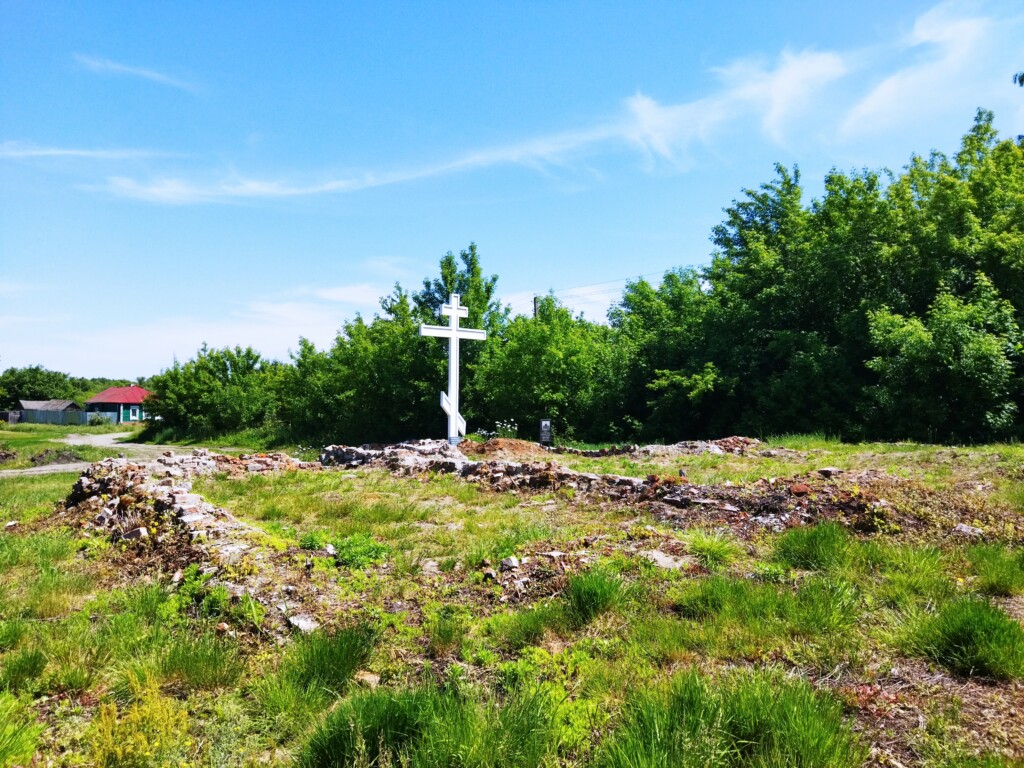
(450, 399)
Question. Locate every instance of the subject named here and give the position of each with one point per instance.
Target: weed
(999, 571)
(314, 540)
(971, 637)
(152, 731)
(592, 593)
(756, 718)
(360, 551)
(814, 548)
(713, 550)
(11, 633)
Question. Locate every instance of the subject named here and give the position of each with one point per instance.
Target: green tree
(34, 383)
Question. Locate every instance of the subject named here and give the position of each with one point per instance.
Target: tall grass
(19, 732)
(592, 593)
(971, 637)
(748, 719)
(999, 570)
(204, 662)
(712, 550)
(820, 547)
(430, 728)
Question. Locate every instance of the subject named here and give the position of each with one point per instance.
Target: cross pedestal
(452, 332)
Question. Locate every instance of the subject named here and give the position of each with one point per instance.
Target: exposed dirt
(55, 456)
(6, 456)
(503, 448)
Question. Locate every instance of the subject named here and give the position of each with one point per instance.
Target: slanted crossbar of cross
(452, 332)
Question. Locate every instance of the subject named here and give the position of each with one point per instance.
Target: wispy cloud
(16, 149)
(772, 95)
(107, 66)
(361, 295)
(948, 49)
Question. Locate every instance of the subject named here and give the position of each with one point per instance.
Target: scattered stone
(329, 550)
(828, 472)
(367, 679)
(222, 627)
(490, 575)
(178, 576)
(430, 568)
(799, 489)
(553, 554)
(304, 623)
(664, 560)
(137, 533)
(967, 531)
(509, 564)
(11, 525)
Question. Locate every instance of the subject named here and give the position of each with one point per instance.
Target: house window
(135, 413)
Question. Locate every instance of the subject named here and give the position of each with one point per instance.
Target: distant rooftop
(133, 395)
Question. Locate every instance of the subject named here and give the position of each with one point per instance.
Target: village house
(120, 405)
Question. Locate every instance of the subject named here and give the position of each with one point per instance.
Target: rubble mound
(6, 456)
(735, 445)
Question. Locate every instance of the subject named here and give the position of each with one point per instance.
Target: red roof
(132, 395)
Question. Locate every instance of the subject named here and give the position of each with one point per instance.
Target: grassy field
(27, 445)
(817, 646)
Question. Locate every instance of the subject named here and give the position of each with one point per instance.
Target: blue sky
(249, 173)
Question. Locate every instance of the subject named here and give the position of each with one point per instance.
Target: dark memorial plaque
(545, 431)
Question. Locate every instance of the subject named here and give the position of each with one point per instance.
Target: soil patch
(54, 456)
(6, 456)
(503, 448)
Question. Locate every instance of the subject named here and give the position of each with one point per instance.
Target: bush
(815, 548)
(754, 718)
(971, 637)
(592, 593)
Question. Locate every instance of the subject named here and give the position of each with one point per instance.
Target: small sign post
(452, 332)
(545, 432)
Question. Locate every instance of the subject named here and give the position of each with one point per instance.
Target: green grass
(971, 637)
(747, 719)
(589, 594)
(430, 728)
(204, 662)
(515, 631)
(31, 497)
(999, 570)
(713, 550)
(19, 732)
(818, 547)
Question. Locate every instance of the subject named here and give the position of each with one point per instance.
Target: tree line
(891, 307)
(34, 382)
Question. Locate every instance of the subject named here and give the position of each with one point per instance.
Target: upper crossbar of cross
(452, 332)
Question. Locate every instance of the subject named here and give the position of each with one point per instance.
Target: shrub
(999, 571)
(814, 548)
(18, 731)
(313, 540)
(592, 593)
(755, 718)
(971, 637)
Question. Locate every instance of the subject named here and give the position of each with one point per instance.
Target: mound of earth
(54, 456)
(6, 456)
(503, 448)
